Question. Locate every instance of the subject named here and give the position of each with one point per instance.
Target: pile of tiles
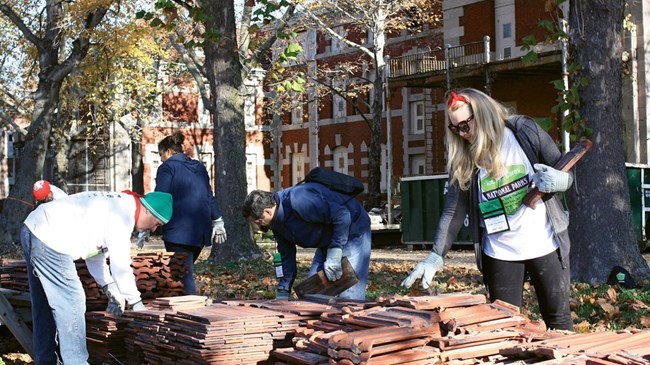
(157, 275)
(454, 329)
(220, 333)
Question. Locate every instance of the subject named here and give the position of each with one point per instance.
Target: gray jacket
(538, 147)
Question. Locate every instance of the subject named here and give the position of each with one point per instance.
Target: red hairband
(454, 98)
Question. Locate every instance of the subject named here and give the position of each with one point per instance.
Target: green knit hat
(159, 204)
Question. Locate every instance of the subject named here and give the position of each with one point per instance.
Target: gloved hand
(332, 267)
(115, 301)
(282, 294)
(218, 231)
(142, 237)
(138, 306)
(425, 270)
(550, 180)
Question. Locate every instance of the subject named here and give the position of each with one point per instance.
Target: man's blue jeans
(58, 303)
(357, 250)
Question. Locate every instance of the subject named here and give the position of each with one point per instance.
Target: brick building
(478, 46)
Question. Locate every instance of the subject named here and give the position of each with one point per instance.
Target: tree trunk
(20, 201)
(376, 136)
(46, 99)
(601, 220)
(224, 72)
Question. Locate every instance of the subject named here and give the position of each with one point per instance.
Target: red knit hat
(41, 190)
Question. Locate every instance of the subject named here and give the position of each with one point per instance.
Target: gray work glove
(138, 306)
(332, 267)
(218, 231)
(115, 301)
(143, 236)
(282, 294)
(550, 180)
(425, 270)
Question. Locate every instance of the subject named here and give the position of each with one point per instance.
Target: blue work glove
(333, 269)
(138, 306)
(550, 180)
(282, 295)
(115, 301)
(218, 231)
(425, 270)
(143, 236)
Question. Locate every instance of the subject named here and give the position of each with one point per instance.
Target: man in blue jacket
(311, 215)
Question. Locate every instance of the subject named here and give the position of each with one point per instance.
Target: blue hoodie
(311, 215)
(194, 205)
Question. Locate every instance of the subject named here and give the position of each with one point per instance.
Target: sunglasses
(462, 126)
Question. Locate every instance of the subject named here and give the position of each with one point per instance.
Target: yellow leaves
(644, 321)
(582, 327)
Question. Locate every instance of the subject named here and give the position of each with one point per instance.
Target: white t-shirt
(530, 234)
(85, 223)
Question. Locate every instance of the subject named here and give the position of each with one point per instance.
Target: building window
(339, 106)
(341, 160)
(296, 112)
(507, 30)
(297, 167)
(417, 117)
(336, 44)
(417, 165)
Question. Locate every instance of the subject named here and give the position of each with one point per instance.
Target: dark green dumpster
(423, 198)
(638, 179)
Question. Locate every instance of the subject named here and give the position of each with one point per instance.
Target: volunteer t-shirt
(530, 234)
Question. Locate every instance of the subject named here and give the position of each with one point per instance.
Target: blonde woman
(494, 160)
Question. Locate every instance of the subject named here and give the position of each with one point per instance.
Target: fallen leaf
(645, 321)
(582, 327)
(609, 309)
(612, 295)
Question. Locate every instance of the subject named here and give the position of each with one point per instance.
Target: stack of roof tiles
(453, 329)
(157, 275)
(233, 333)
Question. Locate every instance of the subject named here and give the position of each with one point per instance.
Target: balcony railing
(475, 53)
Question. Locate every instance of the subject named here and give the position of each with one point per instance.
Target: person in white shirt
(89, 226)
(44, 192)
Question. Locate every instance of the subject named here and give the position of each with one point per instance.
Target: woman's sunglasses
(462, 126)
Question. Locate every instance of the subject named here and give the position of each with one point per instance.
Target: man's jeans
(505, 281)
(58, 303)
(193, 252)
(357, 251)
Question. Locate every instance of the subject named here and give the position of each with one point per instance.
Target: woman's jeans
(505, 279)
(58, 303)
(192, 252)
(357, 250)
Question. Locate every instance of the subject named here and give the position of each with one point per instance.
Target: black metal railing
(475, 53)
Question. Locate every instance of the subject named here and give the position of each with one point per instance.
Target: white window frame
(417, 117)
(339, 104)
(340, 160)
(416, 162)
(296, 111)
(337, 45)
(297, 167)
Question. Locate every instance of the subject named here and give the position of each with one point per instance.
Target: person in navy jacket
(197, 220)
(311, 215)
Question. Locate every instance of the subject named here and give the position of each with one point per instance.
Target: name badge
(494, 216)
